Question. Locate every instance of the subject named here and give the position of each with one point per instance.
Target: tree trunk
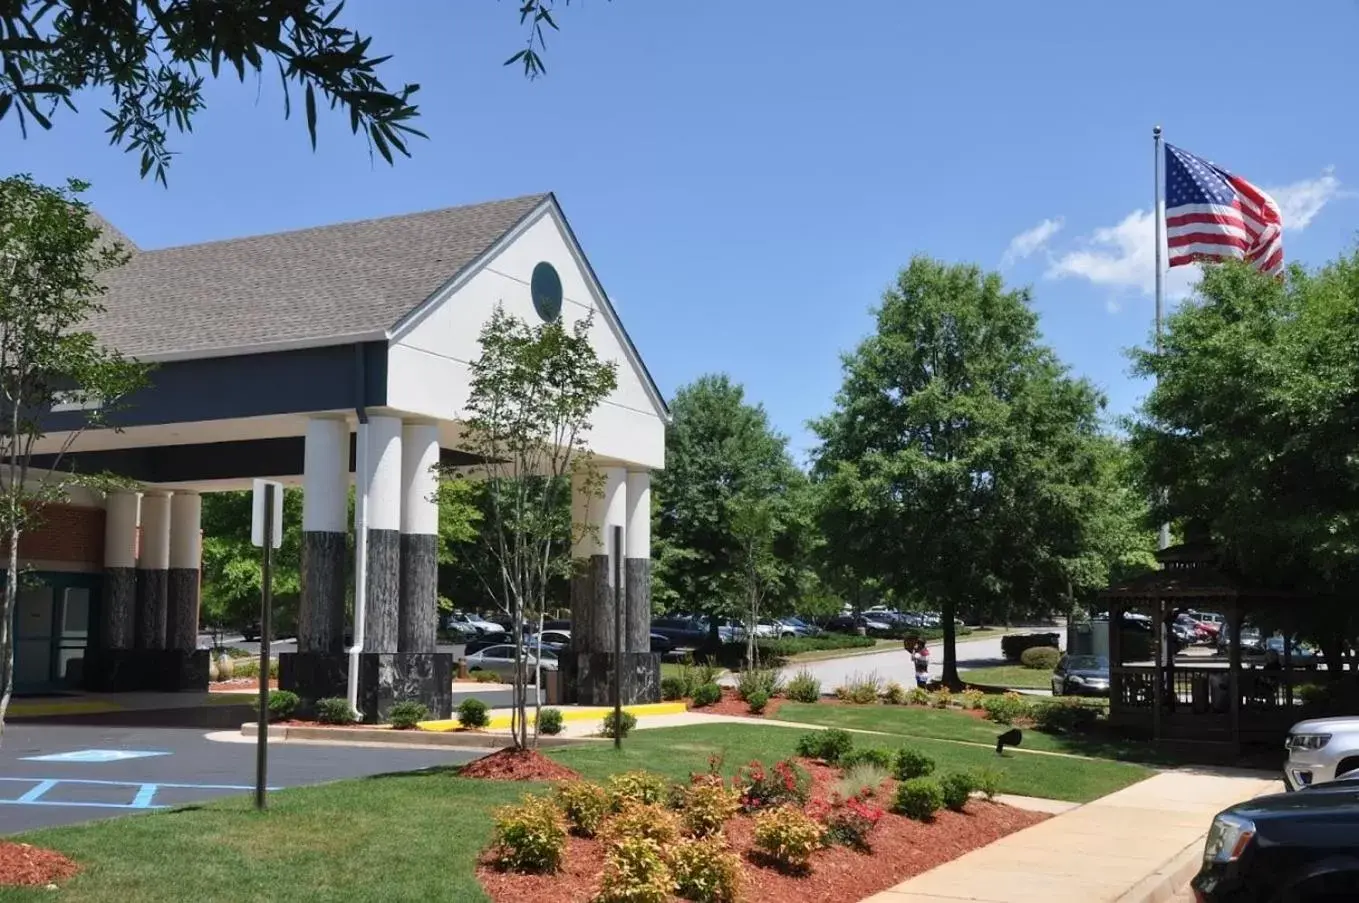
(947, 612)
(7, 627)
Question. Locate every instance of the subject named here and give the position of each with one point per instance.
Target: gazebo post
(1158, 677)
(1288, 663)
(1234, 668)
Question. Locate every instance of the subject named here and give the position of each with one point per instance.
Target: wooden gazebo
(1197, 698)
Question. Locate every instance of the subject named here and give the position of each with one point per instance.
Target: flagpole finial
(1156, 131)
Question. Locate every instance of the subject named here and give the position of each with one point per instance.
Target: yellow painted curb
(40, 708)
(501, 720)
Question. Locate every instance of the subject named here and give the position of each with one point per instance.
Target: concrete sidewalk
(1139, 844)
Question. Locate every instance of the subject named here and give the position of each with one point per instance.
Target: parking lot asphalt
(55, 774)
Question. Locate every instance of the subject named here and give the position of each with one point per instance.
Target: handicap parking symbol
(97, 755)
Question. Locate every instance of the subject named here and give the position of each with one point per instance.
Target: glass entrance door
(52, 623)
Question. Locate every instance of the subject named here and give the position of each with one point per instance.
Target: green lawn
(416, 836)
(1010, 676)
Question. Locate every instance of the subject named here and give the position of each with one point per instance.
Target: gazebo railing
(1209, 690)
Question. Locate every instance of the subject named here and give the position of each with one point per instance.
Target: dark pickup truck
(1286, 847)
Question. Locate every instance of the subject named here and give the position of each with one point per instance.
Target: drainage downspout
(360, 525)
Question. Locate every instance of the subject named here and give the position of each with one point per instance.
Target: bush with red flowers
(848, 821)
(786, 783)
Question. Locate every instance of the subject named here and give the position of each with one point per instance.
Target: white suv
(1321, 750)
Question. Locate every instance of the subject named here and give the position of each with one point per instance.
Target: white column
(119, 610)
(155, 549)
(185, 554)
(418, 618)
(615, 510)
(637, 571)
(587, 511)
(639, 515)
(186, 531)
(382, 515)
(325, 535)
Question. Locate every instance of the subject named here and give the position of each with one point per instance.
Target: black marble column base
(181, 609)
(590, 677)
(321, 611)
(418, 614)
(152, 594)
(384, 591)
(145, 670)
(385, 678)
(119, 617)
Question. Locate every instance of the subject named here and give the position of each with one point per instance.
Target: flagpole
(1158, 214)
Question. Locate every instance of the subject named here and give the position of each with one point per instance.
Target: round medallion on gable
(546, 287)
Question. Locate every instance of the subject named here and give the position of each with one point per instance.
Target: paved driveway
(60, 774)
(895, 664)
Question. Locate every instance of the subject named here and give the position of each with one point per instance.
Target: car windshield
(1087, 663)
(497, 652)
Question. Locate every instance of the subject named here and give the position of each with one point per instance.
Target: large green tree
(150, 60)
(723, 458)
(956, 465)
(1252, 430)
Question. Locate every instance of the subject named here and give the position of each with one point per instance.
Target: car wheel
(1057, 688)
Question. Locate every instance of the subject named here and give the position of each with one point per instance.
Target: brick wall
(67, 534)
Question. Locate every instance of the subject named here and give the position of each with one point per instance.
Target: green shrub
(941, 699)
(635, 872)
(987, 780)
(650, 820)
(705, 871)
(636, 787)
(768, 681)
(486, 677)
(673, 688)
(1063, 716)
(956, 788)
(282, 704)
(550, 722)
(1313, 694)
(877, 756)
(1040, 658)
(757, 701)
(334, 710)
(828, 745)
(473, 713)
(918, 696)
(972, 699)
(787, 837)
(406, 715)
(618, 727)
(585, 806)
(1012, 645)
(911, 763)
(894, 694)
(705, 673)
(804, 687)
(706, 695)
(860, 689)
(530, 836)
(862, 779)
(919, 798)
(1006, 709)
(707, 805)
(250, 667)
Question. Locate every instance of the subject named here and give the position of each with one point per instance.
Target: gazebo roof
(1189, 571)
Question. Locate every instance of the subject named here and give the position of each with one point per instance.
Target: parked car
(1300, 846)
(1300, 656)
(682, 632)
(850, 624)
(555, 641)
(1250, 639)
(500, 660)
(799, 627)
(1081, 675)
(1320, 750)
(473, 625)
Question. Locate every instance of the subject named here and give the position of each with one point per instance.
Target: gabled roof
(352, 281)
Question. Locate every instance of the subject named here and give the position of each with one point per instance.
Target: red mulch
(901, 848)
(237, 684)
(30, 866)
(731, 704)
(517, 765)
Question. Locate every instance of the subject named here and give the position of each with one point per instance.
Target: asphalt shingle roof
(308, 285)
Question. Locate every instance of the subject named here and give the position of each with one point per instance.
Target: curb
(389, 737)
(1164, 883)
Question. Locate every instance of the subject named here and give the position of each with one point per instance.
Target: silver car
(500, 660)
(1321, 750)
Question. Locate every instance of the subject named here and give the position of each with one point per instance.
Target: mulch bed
(24, 865)
(517, 765)
(731, 704)
(901, 849)
(236, 684)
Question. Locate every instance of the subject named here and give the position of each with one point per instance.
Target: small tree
(533, 392)
(50, 259)
(754, 528)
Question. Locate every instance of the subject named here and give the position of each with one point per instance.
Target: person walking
(921, 657)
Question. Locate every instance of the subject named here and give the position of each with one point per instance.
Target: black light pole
(619, 599)
(266, 599)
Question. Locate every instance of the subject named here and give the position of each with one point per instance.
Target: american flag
(1214, 215)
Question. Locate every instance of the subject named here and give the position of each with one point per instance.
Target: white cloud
(1300, 202)
(1122, 256)
(1031, 241)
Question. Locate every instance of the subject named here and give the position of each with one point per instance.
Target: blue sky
(747, 177)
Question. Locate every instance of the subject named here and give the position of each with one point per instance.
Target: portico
(337, 359)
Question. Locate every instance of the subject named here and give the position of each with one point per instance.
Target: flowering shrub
(707, 805)
(585, 805)
(860, 689)
(848, 820)
(530, 837)
(941, 699)
(635, 872)
(894, 694)
(787, 836)
(637, 787)
(761, 788)
(647, 820)
(918, 696)
(706, 871)
(972, 699)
